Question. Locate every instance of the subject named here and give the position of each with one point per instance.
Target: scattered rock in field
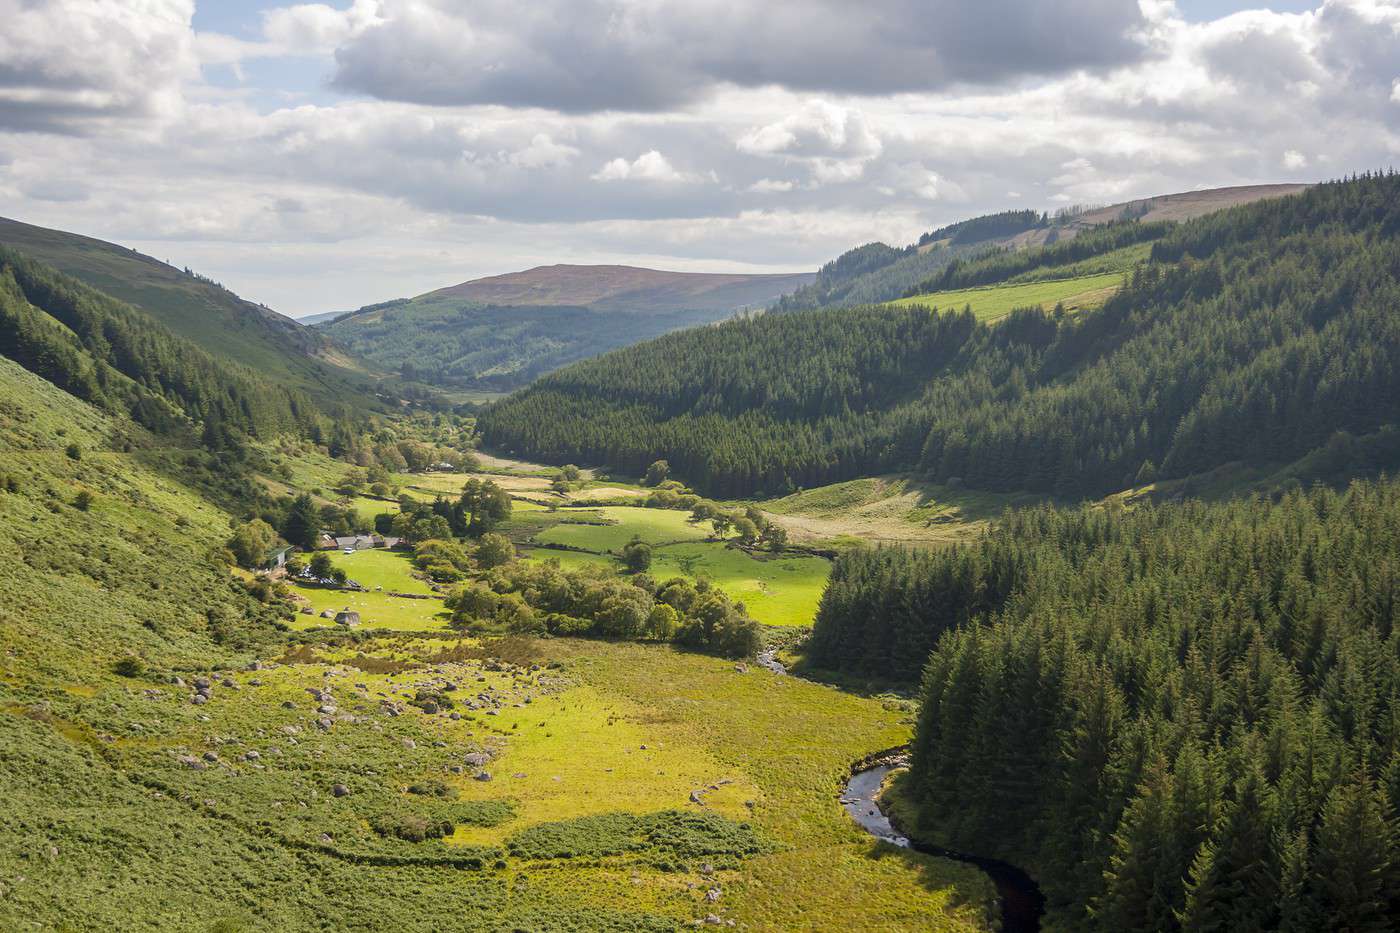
(326, 709)
(288, 704)
(642, 747)
(696, 798)
(177, 680)
(456, 769)
(712, 896)
(191, 762)
(454, 716)
(252, 754)
(324, 723)
(325, 839)
(408, 743)
(741, 668)
(482, 776)
(292, 730)
(199, 699)
(713, 920)
(518, 774)
(255, 682)
(201, 683)
(429, 707)
(706, 868)
(340, 790)
(211, 757)
(228, 682)
(477, 759)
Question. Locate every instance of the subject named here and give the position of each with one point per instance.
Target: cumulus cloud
(488, 136)
(591, 55)
(649, 166)
(65, 65)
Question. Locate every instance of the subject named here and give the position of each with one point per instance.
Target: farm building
(325, 542)
(277, 558)
(354, 542)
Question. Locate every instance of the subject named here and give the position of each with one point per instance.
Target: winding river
(1021, 901)
(1022, 904)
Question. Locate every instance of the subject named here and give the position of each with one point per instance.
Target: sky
(322, 156)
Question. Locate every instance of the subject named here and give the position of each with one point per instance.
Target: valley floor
(131, 807)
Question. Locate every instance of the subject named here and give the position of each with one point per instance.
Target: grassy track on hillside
(993, 302)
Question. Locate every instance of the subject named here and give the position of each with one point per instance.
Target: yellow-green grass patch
(367, 507)
(623, 523)
(781, 590)
(377, 610)
(581, 752)
(993, 302)
(392, 570)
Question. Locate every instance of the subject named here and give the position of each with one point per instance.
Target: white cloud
(544, 152)
(64, 66)
(770, 186)
(649, 166)
(1294, 160)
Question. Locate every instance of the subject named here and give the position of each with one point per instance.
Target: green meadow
(776, 589)
(993, 302)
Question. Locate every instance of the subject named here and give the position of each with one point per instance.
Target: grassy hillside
(501, 332)
(203, 312)
(875, 272)
(994, 302)
(1223, 347)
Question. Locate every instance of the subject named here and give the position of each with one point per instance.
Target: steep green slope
(1259, 334)
(203, 312)
(119, 358)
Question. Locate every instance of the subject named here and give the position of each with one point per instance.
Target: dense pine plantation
(120, 359)
(1260, 334)
(1178, 717)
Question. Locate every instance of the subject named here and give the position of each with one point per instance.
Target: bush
(129, 666)
(636, 556)
(83, 500)
(494, 551)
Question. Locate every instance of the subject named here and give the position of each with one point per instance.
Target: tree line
(1178, 717)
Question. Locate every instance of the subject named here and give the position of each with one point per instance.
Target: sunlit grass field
(654, 526)
(992, 302)
(777, 590)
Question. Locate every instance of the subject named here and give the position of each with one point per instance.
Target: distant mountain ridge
(625, 288)
(500, 332)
